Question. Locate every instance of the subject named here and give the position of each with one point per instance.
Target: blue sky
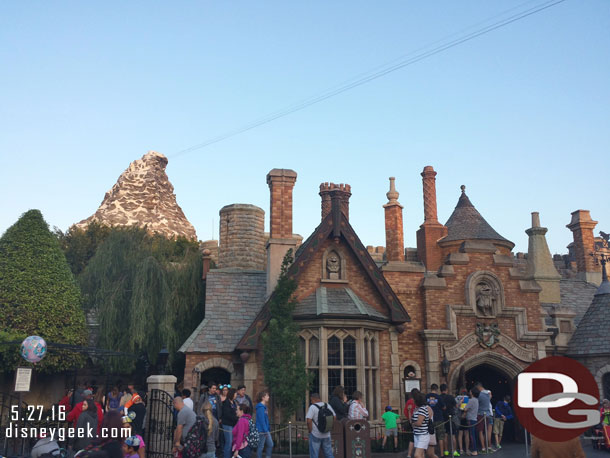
(521, 115)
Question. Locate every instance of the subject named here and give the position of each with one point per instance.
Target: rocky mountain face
(143, 196)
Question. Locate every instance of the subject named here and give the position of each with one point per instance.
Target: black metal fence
(160, 425)
(15, 416)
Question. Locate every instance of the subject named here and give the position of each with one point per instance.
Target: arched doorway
(497, 374)
(492, 379)
(215, 374)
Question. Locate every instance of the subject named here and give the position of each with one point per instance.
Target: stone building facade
(459, 307)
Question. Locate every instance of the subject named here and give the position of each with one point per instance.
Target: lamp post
(196, 383)
(162, 358)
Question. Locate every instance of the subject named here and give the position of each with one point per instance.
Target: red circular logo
(556, 399)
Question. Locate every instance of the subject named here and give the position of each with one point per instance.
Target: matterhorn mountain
(143, 196)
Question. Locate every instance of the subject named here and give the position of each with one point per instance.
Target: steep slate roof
(576, 294)
(338, 302)
(233, 298)
(335, 224)
(466, 223)
(591, 335)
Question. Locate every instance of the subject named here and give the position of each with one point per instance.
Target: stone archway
(206, 365)
(215, 362)
(495, 360)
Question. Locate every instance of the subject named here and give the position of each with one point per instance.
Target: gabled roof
(466, 223)
(335, 224)
(233, 298)
(340, 302)
(591, 335)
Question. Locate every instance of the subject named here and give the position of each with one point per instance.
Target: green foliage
(285, 370)
(79, 245)
(38, 294)
(146, 291)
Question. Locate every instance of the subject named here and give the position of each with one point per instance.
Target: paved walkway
(512, 450)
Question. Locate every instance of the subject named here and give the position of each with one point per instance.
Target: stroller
(601, 432)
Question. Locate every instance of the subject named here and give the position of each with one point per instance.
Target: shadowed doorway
(499, 384)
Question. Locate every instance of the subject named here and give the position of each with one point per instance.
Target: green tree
(285, 371)
(38, 294)
(145, 290)
(79, 245)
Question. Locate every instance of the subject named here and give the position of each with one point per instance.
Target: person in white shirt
(316, 438)
(186, 398)
(357, 411)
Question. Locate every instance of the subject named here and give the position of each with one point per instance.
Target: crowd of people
(227, 413)
(116, 418)
(236, 427)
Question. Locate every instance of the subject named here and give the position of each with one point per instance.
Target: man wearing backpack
(320, 419)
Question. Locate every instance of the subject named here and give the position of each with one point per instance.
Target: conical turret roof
(591, 335)
(466, 223)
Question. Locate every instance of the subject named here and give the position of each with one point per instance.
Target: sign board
(410, 384)
(23, 379)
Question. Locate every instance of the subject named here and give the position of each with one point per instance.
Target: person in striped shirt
(357, 411)
(422, 416)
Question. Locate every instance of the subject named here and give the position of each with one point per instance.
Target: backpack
(252, 436)
(431, 427)
(196, 442)
(92, 451)
(325, 419)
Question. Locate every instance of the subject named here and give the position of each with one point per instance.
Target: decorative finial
(463, 188)
(392, 194)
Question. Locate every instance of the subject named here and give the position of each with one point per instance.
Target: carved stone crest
(487, 336)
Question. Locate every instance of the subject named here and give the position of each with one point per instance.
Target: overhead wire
(363, 78)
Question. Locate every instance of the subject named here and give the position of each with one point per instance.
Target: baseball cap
(132, 441)
(87, 393)
(388, 407)
(126, 419)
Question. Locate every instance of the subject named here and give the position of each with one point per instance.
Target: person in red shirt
(66, 401)
(78, 409)
(410, 408)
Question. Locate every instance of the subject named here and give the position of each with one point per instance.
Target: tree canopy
(38, 294)
(145, 290)
(284, 368)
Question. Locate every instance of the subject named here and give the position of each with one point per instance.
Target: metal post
(486, 436)
(527, 453)
(450, 436)
(289, 439)
(21, 414)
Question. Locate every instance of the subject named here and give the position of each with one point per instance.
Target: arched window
(606, 385)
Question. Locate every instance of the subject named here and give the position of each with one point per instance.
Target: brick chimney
(394, 236)
(281, 182)
(584, 243)
(281, 239)
(344, 192)
(431, 231)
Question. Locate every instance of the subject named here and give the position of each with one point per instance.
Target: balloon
(33, 349)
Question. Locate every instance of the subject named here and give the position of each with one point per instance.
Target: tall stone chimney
(281, 239)
(584, 243)
(394, 236)
(242, 237)
(540, 266)
(431, 231)
(344, 192)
